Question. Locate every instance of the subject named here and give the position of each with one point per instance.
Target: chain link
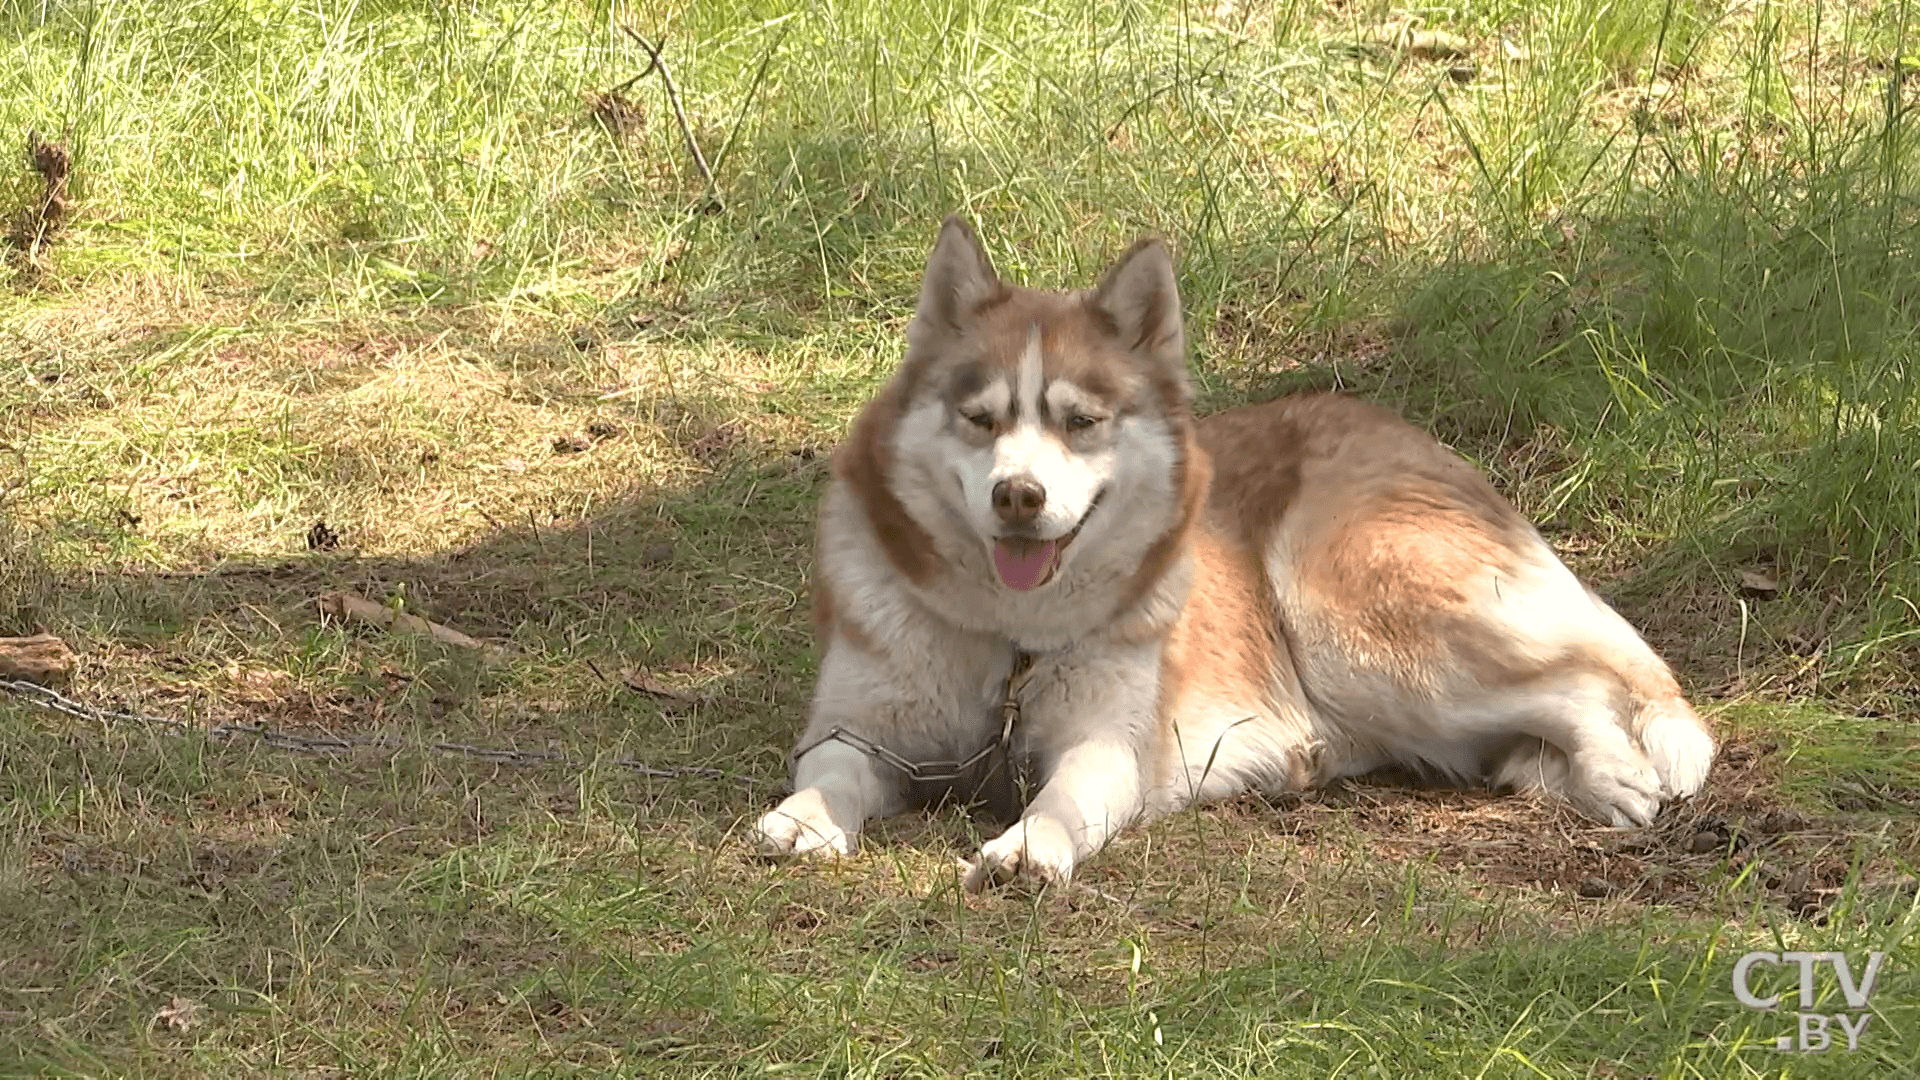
(279, 739)
(933, 771)
(915, 770)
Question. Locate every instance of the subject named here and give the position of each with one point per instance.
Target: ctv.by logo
(1813, 1037)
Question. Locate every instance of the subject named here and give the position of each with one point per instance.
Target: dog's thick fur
(1269, 599)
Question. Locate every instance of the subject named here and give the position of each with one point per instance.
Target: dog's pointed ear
(1141, 301)
(959, 279)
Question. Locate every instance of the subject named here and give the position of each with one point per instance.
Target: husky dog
(1268, 599)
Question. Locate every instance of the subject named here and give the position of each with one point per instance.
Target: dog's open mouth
(1025, 563)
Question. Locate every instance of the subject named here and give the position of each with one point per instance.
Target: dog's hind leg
(1577, 745)
(1610, 713)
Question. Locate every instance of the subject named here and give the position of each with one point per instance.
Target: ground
(428, 304)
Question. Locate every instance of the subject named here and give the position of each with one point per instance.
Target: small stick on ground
(351, 608)
(679, 114)
(41, 659)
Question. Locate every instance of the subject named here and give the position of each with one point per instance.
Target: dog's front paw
(1619, 791)
(1038, 849)
(801, 825)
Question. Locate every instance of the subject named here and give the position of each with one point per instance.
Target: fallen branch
(659, 63)
(41, 659)
(350, 608)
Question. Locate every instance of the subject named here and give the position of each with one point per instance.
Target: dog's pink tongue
(1023, 564)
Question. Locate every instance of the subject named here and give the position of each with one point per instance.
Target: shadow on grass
(1709, 403)
(699, 592)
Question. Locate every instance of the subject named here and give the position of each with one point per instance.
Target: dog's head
(1030, 415)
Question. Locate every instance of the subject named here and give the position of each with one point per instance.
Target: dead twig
(659, 63)
(351, 608)
(645, 682)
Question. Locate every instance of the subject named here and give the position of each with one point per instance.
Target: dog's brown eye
(1081, 422)
(980, 420)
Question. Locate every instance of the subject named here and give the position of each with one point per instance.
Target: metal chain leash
(279, 739)
(942, 770)
(930, 771)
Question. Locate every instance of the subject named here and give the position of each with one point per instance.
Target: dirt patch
(34, 225)
(579, 442)
(712, 446)
(1735, 826)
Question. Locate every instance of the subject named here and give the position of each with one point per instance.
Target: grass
(440, 276)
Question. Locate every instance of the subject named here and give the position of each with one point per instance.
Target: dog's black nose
(1018, 501)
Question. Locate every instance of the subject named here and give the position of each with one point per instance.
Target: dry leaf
(259, 684)
(644, 682)
(1759, 583)
(180, 1014)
